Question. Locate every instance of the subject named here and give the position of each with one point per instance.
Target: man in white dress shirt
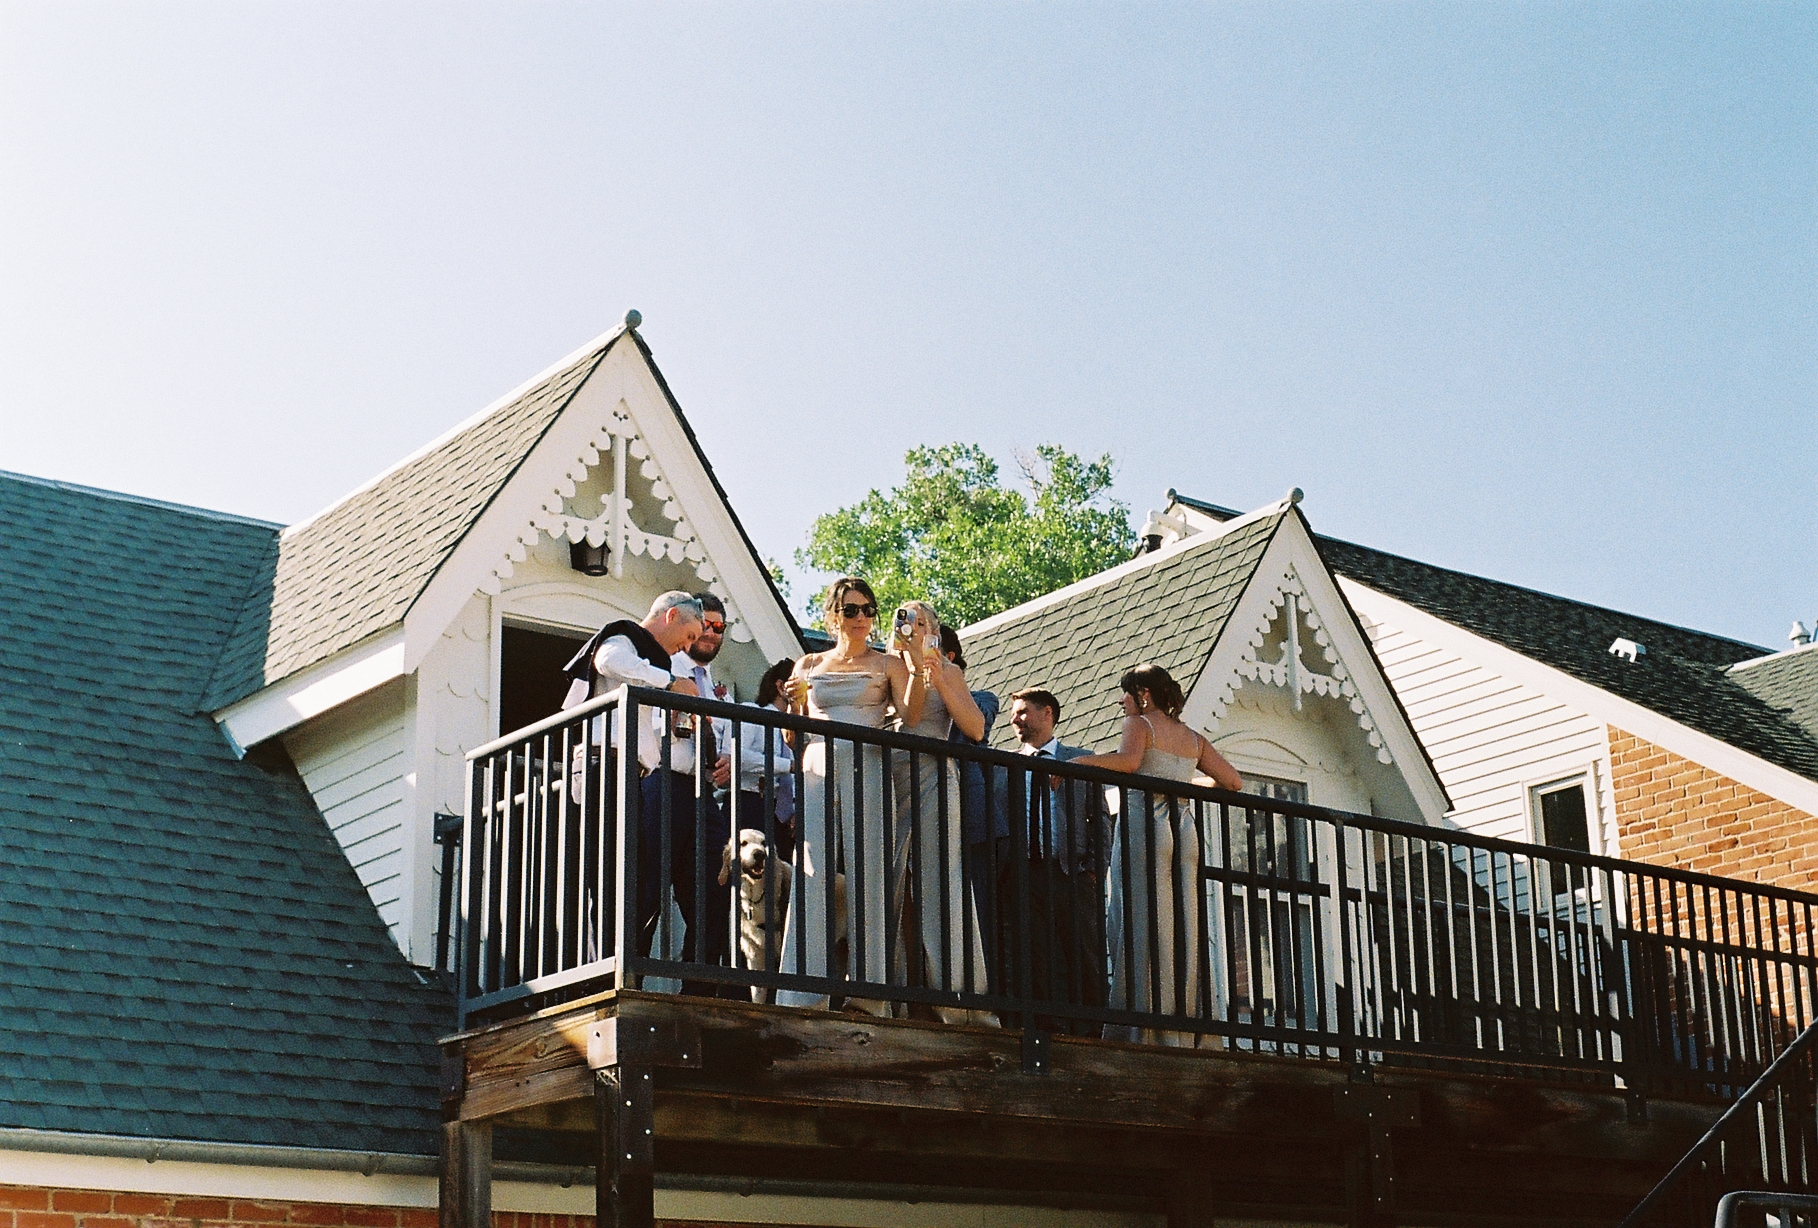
(693, 811)
(650, 654)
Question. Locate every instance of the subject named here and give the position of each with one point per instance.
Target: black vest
(581, 667)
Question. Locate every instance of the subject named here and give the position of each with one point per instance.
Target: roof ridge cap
(1772, 656)
(598, 345)
(1539, 592)
(120, 496)
(1129, 567)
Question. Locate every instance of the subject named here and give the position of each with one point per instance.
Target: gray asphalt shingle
(1171, 613)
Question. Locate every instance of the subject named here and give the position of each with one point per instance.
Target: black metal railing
(1760, 1158)
(1103, 904)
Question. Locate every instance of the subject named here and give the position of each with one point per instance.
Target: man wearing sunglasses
(697, 825)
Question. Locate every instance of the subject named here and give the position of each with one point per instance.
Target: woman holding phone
(950, 952)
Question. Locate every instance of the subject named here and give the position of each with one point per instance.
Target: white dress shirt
(617, 663)
(684, 666)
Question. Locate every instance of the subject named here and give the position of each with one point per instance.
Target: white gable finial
(633, 318)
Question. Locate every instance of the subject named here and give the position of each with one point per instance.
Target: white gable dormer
(1293, 693)
(379, 730)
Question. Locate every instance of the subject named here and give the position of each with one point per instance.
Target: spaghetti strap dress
(841, 850)
(1152, 918)
(945, 944)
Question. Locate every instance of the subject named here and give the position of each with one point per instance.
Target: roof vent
(1799, 635)
(1627, 649)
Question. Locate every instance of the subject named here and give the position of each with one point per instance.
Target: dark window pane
(1562, 821)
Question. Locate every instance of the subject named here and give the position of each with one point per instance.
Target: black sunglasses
(849, 610)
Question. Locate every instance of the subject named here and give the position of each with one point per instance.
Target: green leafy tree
(955, 536)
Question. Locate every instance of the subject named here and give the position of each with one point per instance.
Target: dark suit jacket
(1083, 828)
(972, 778)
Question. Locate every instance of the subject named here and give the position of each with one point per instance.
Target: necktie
(709, 751)
(1041, 837)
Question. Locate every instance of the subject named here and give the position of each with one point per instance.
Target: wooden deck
(659, 1083)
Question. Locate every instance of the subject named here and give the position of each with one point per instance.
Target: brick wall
(24, 1206)
(1671, 811)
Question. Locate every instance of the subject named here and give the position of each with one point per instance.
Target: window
(1560, 816)
(1276, 788)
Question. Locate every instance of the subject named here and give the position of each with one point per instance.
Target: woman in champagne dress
(941, 930)
(842, 852)
(1148, 972)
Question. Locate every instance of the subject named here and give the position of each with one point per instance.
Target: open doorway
(531, 682)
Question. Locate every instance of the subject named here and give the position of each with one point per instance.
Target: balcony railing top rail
(899, 873)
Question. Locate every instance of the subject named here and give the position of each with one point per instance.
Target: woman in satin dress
(1157, 832)
(840, 824)
(942, 931)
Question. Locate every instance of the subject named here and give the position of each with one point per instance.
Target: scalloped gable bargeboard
(1171, 612)
(355, 569)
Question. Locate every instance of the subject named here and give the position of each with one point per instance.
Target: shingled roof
(184, 951)
(1684, 675)
(1787, 681)
(356, 568)
(1079, 641)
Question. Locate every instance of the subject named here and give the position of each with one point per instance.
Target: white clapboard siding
(354, 760)
(1490, 739)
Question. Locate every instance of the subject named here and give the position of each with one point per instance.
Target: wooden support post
(465, 1196)
(624, 1109)
(1370, 1165)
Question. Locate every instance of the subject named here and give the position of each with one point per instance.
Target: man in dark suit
(1053, 946)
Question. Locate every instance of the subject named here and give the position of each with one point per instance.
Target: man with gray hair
(644, 654)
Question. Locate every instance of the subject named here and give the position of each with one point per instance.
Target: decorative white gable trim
(617, 438)
(619, 413)
(1290, 606)
(1701, 748)
(1291, 577)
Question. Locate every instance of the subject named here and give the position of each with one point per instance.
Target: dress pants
(694, 867)
(1064, 959)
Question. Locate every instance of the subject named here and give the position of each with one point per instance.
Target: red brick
(109, 1221)
(319, 1213)
(141, 1204)
(44, 1219)
(372, 1217)
(24, 1198)
(81, 1200)
(201, 1208)
(249, 1212)
(419, 1217)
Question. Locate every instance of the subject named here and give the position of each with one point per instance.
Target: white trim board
(1700, 748)
(308, 693)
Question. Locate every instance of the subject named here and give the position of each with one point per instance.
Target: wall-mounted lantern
(589, 560)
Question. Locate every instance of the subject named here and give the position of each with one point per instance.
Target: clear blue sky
(1525, 289)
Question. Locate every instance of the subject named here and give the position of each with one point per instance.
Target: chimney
(1799, 635)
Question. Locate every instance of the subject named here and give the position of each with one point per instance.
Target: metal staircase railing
(1762, 1153)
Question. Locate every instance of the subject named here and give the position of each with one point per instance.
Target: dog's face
(753, 855)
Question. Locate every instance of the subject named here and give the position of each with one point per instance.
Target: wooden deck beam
(738, 1089)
